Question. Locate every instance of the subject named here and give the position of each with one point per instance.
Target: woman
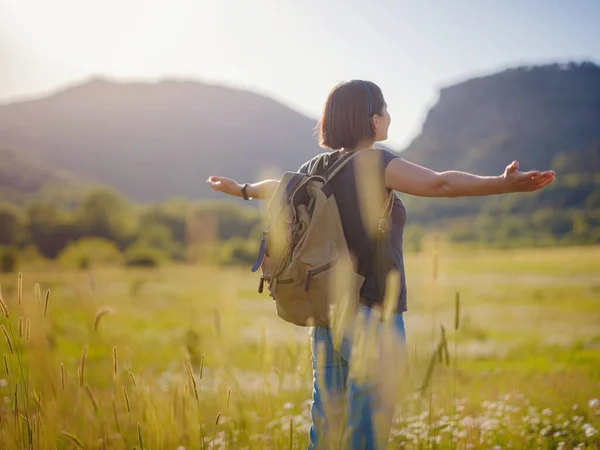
(354, 117)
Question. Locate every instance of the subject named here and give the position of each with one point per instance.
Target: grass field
(193, 357)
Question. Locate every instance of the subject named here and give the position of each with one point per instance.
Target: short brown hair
(346, 117)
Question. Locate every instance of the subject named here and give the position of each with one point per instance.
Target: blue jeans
(356, 378)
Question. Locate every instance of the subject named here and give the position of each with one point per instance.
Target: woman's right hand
(225, 185)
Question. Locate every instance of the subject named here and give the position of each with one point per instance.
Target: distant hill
(531, 114)
(23, 177)
(153, 141)
(26, 175)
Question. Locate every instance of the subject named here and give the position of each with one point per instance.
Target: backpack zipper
(317, 271)
(261, 285)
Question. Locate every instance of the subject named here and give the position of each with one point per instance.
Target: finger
(538, 178)
(514, 166)
(547, 181)
(544, 183)
(532, 173)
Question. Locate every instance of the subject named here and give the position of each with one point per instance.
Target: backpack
(304, 256)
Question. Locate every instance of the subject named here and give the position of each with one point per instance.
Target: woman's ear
(375, 122)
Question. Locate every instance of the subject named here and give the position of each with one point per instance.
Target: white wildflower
(544, 431)
(594, 403)
(547, 412)
(3, 382)
(589, 430)
(288, 405)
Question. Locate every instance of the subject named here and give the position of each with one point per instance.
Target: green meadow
(192, 357)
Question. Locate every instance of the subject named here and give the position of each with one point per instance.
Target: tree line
(102, 226)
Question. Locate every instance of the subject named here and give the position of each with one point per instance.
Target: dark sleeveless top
(357, 236)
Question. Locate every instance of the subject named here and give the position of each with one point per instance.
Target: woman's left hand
(526, 181)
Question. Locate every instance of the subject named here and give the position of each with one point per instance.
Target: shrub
(140, 254)
(9, 259)
(237, 251)
(84, 253)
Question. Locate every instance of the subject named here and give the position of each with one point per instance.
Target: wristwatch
(244, 193)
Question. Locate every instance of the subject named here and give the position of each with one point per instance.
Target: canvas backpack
(304, 256)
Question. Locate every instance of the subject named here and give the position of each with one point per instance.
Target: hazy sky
(292, 50)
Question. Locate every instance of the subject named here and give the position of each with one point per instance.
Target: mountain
(153, 141)
(26, 175)
(531, 114)
(23, 177)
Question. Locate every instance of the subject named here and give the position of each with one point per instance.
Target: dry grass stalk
(139, 429)
(116, 415)
(73, 438)
(457, 311)
(6, 365)
(3, 305)
(28, 329)
(191, 375)
(444, 344)
(19, 288)
(20, 327)
(101, 313)
(115, 361)
(7, 337)
(62, 376)
(130, 373)
(127, 399)
(46, 302)
(92, 398)
(38, 292)
(82, 366)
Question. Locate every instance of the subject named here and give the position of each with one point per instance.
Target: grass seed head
(3, 305)
(101, 313)
(46, 302)
(7, 337)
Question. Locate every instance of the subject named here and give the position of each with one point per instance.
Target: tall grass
(77, 378)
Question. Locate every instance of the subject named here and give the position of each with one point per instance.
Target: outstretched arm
(413, 179)
(260, 190)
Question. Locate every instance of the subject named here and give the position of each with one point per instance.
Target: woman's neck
(363, 145)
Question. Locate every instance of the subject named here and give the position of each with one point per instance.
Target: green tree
(105, 214)
(12, 225)
(50, 229)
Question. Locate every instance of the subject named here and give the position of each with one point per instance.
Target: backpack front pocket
(292, 302)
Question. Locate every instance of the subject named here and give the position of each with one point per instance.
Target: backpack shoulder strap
(339, 164)
(287, 186)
